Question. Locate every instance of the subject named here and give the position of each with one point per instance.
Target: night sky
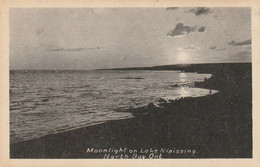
(88, 38)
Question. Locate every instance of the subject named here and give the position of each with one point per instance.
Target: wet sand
(215, 126)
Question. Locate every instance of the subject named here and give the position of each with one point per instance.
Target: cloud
(246, 42)
(191, 47)
(220, 49)
(188, 48)
(180, 29)
(201, 29)
(212, 47)
(200, 11)
(242, 54)
(72, 49)
(172, 8)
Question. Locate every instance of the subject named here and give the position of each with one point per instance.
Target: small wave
(181, 85)
(28, 101)
(54, 96)
(16, 93)
(174, 86)
(76, 87)
(90, 94)
(132, 78)
(33, 112)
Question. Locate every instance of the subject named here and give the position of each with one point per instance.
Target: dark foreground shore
(214, 126)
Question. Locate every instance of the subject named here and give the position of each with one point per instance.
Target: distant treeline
(200, 68)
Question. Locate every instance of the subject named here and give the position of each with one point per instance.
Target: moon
(183, 57)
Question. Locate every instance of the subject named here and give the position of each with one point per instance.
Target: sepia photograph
(130, 83)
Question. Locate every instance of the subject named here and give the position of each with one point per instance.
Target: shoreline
(215, 126)
(137, 111)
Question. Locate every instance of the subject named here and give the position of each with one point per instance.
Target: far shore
(212, 126)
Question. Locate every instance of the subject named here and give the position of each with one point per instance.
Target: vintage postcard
(123, 83)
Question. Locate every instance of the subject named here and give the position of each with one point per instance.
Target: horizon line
(124, 67)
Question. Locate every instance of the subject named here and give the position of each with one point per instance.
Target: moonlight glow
(183, 57)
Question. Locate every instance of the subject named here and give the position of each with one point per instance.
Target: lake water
(44, 102)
